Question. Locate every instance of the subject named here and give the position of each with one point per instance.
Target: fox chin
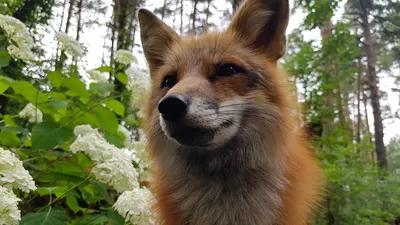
(223, 125)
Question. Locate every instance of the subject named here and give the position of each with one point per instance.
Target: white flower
(124, 56)
(33, 114)
(139, 85)
(85, 129)
(23, 53)
(13, 174)
(68, 44)
(126, 133)
(113, 165)
(93, 145)
(117, 172)
(9, 212)
(97, 76)
(136, 206)
(19, 35)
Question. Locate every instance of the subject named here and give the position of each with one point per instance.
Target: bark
(235, 5)
(60, 63)
(62, 16)
(207, 15)
(132, 27)
(181, 14)
(358, 93)
(79, 22)
(69, 16)
(194, 16)
(328, 119)
(164, 8)
(373, 87)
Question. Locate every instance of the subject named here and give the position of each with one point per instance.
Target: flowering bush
(73, 153)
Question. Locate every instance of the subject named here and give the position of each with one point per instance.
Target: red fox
(222, 125)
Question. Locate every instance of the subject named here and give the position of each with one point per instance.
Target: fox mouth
(191, 136)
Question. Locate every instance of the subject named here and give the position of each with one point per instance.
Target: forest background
(73, 78)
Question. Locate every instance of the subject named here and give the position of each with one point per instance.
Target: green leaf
(69, 168)
(5, 58)
(107, 119)
(72, 202)
(76, 86)
(102, 88)
(115, 105)
(9, 121)
(90, 193)
(47, 135)
(122, 77)
(57, 190)
(57, 95)
(91, 220)
(55, 78)
(114, 139)
(5, 83)
(115, 218)
(52, 177)
(58, 104)
(104, 69)
(52, 216)
(31, 93)
(9, 138)
(101, 189)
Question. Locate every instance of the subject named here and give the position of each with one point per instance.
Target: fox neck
(240, 184)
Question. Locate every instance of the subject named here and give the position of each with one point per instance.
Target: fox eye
(169, 81)
(228, 70)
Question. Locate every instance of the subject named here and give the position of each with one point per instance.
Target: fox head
(221, 90)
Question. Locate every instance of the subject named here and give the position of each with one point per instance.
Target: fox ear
(156, 38)
(261, 25)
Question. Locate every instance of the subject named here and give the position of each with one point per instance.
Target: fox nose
(173, 106)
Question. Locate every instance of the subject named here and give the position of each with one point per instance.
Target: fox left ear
(157, 37)
(261, 25)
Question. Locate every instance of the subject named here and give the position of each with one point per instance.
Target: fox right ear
(261, 25)
(156, 38)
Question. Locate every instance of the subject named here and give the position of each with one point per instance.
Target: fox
(222, 126)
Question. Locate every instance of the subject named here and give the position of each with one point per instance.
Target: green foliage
(67, 192)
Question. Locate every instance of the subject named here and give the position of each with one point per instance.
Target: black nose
(173, 106)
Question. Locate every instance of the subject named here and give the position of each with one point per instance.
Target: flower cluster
(136, 206)
(97, 76)
(70, 45)
(112, 167)
(139, 84)
(12, 176)
(19, 37)
(33, 114)
(9, 212)
(124, 56)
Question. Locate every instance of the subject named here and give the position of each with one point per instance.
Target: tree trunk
(62, 16)
(60, 62)
(132, 25)
(79, 22)
(194, 16)
(373, 87)
(358, 93)
(328, 117)
(181, 14)
(207, 15)
(235, 5)
(164, 8)
(69, 16)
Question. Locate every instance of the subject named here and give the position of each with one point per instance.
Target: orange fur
(193, 60)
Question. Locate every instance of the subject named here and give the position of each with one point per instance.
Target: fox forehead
(194, 54)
